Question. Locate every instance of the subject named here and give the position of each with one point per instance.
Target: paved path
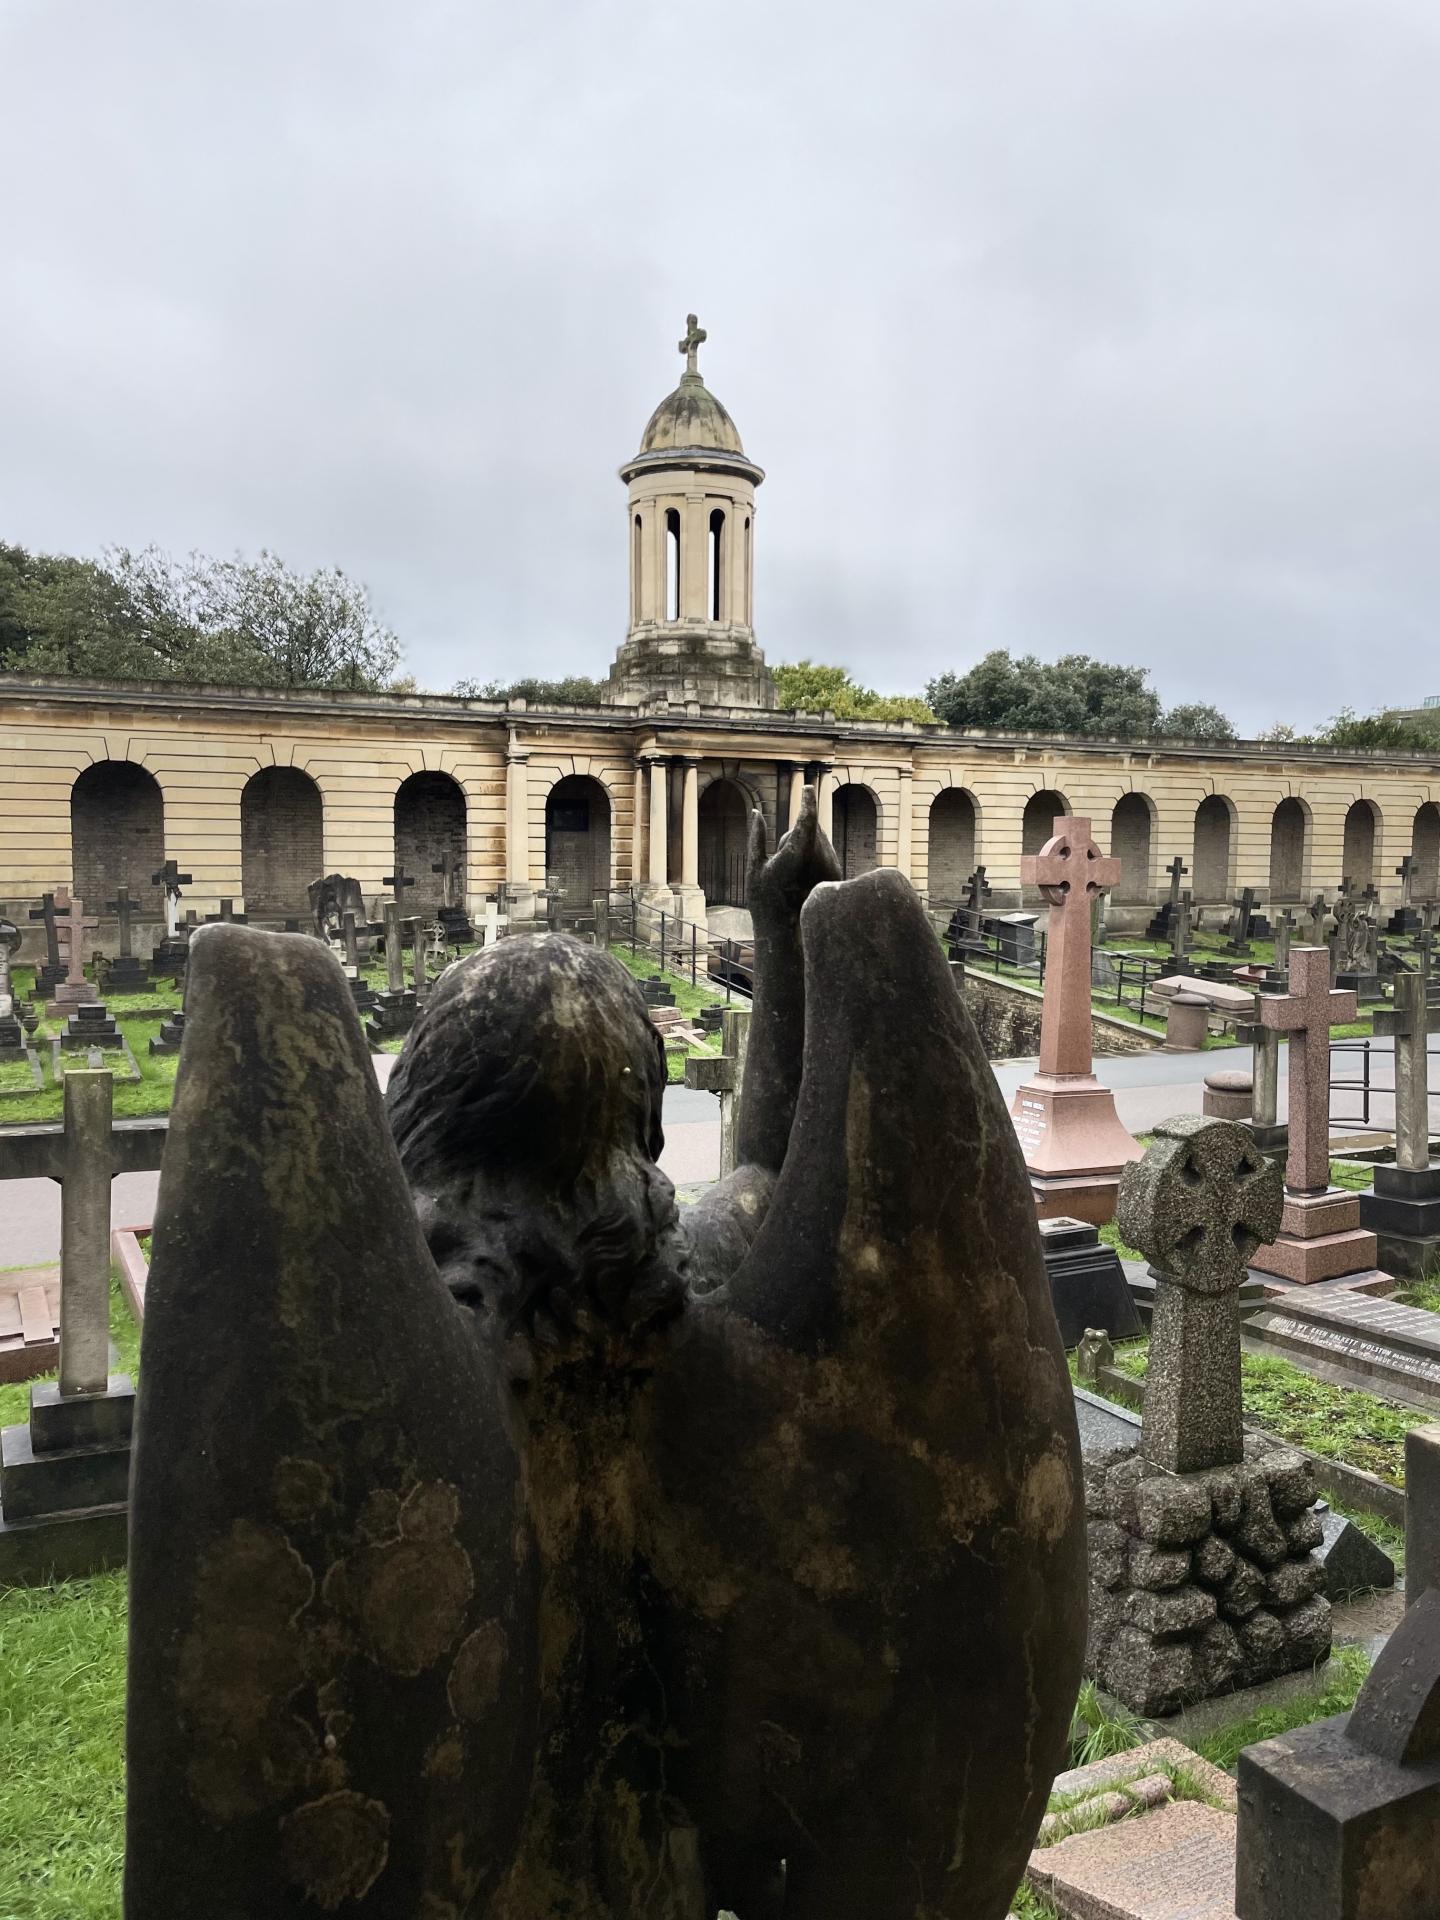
(1149, 1088)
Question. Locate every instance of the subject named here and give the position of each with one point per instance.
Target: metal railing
(1368, 1082)
(681, 947)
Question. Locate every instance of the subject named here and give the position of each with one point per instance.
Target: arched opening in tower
(282, 842)
(716, 563)
(577, 841)
(672, 563)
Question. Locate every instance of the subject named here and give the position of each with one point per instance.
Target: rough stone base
(1204, 1582)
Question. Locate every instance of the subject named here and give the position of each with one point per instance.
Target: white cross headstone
(494, 920)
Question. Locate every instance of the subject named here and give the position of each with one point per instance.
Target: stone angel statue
(508, 1542)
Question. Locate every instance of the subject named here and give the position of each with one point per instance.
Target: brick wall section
(282, 842)
(429, 823)
(1130, 844)
(952, 845)
(855, 822)
(117, 825)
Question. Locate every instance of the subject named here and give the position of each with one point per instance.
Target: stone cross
(1284, 928)
(1071, 873)
(1180, 929)
(494, 921)
(1244, 909)
(224, 917)
(122, 906)
(171, 879)
(73, 923)
(724, 1073)
(1319, 907)
(46, 912)
(399, 880)
(1177, 871)
(418, 948)
(85, 1232)
(1307, 1013)
(1370, 897)
(1198, 1205)
(1411, 1020)
(448, 867)
(352, 939)
(695, 338)
(1406, 872)
(394, 948)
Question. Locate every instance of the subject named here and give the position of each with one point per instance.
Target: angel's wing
(331, 1683)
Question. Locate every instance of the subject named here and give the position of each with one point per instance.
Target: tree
(1197, 720)
(1074, 694)
(575, 690)
(146, 616)
(812, 688)
(1377, 732)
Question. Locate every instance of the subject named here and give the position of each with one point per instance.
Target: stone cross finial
(1177, 871)
(73, 923)
(1198, 1205)
(122, 906)
(1406, 873)
(46, 912)
(399, 880)
(695, 338)
(1071, 873)
(1307, 1013)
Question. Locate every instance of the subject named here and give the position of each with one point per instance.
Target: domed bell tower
(690, 517)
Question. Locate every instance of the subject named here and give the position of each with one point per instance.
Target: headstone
(1162, 926)
(64, 1474)
(72, 924)
(170, 1036)
(1240, 926)
(1284, 930)
(393, 1012)
(724, 1074)
(1340, 1820)
(49, 975)
(91, 1024)
(1202, 1569)
(12, 1033)
(125, 973)
(1352, 1561)
(1320, 1233)
(1180, 932)
(1319, 912)
(1405, 920)
(1069, 1131)
(170, 953)
(227, 916)
(1403, 1207)
(399, 882)
(1422, 1510)
(1087, 1282)
(494, 921)
(1355, 1340)
(1014, 934)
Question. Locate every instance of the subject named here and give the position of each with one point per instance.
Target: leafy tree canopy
(575, 690)
(146, 616)
(1074, 694)
(1196, 720)
(1377, 731)
(812, 688)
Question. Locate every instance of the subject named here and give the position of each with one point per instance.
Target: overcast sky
(1110, 327)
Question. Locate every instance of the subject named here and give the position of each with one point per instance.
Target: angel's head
(527, 1111)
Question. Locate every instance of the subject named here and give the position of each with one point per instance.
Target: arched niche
(1131, 821)
(430, 834)
(577, 840)
(855, 829)
(1289, 827)
(1210, 861)
(1425, 849)
(724, 831)
(1358, 848)
(282, 842)
(954, 841)
(117, 835)
(1037, 825)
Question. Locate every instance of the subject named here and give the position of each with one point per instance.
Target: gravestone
(724, 1074)
(172, 1032)
(1284, 931)
(1340, 1820)
(12, 1033)
(1270, 1134)
(91, 1024)
(1319, 912)
(1402, 1209)
(64, 1474)
(1087, 1282)
(171, 952)
(1161, 926)
(1240, 926)
(1014, 935)
(71, 924)
(1069, 1131)
(399, 883)
(1422, 1509)
(1405, 920)
(495, 921)
(1320, 1233)
(125, 973)
(1180, 933)
(393, 1011)
(456, 930)
(1355, 1340)
(52, 971)
(1202, 1568)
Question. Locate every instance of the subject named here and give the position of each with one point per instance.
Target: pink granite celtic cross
(1070, 871)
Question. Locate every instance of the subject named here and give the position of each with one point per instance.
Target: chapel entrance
(577, 841)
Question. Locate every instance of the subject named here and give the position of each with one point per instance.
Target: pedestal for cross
(724, 1073)
(1069, 1131)
(1284, 933)
(125, 973)
(394, 1010)
(1180, 933)
(48, 975)
(1320, 1234)
(64, 1474)
(1403, 1207)
(71, 924)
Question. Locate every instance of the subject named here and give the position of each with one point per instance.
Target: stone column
(659, 822)
(517, 817)
(736, 1043)
(637, 828)
(694, 538)
(825, 801)
(690, 825)
(904, 822)
(85, 1233)
(797, 787)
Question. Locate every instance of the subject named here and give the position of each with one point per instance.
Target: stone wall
(1202, 1582)
(282, 841)
(1008, 1021)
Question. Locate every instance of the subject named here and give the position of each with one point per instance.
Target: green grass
(1334, 1692)
(1338, 1423)
(1352, 1176)
(15, 1399)
(15, 1075)
(1100, 1728)
(62, 1705)
(1110, 1234)
(1422, 1293)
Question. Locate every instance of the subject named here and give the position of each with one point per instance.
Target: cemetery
(1244, 1518)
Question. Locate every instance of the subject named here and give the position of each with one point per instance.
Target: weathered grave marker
(49, 975)
(400, 882)
(724, 1073)
(393, 1011)
(72, 923)
(1403, 1207)
(125, 973)
(1069, 1131)
(494, 920)
(1320, 1235)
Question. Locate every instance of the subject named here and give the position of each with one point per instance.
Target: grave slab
(1355, 1340)
(1177, 1863)
(1087, 1282)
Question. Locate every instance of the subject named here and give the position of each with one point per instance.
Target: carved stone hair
(526, 1108)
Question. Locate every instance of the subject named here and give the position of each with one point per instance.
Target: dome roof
(691, 416)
